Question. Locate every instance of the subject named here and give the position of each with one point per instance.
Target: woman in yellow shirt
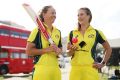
(45, 55)
(82, 45)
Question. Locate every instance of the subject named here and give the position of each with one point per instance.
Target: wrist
(47, 50)
(44, 50)
(103, 62)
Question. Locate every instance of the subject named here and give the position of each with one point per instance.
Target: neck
(84, 26)
(49, 25)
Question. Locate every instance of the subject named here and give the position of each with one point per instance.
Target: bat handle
(51, 41)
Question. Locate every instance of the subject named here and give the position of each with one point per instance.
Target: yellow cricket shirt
(86, 55)
(36, 37)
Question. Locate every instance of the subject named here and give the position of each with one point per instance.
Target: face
(83, 17)
(50, 15)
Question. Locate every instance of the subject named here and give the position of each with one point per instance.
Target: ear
(88, 17)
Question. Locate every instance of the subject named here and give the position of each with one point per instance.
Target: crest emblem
(91, 36)
(57, 36)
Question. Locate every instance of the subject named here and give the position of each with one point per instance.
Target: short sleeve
(33, 35)
(101, 37)
(69, 38)
(60, 41)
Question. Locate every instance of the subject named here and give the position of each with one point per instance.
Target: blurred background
(16, 25)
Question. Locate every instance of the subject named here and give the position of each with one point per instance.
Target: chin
(52, 21)
(81, 22)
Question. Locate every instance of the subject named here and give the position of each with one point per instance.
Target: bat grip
(51, 41)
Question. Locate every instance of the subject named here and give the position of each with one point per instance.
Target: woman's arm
(108, 52)
(107, 55)
(32, 50)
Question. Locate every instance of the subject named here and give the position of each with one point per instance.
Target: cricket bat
(38, 22)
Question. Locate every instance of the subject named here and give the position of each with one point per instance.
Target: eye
(81, 14)
(54, 13)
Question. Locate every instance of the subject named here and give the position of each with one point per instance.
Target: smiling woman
(45, 54)
(84, 63)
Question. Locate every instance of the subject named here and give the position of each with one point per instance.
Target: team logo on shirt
(91, 36)
(57, 36)
(76, 36)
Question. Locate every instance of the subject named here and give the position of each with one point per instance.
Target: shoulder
(33, 35)
(99, 31)
(35, 31)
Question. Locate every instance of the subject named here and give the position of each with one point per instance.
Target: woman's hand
(71, 49)
(98, 65)
(51, 48)
(74, 47)
(58, 51)
(54, 48)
